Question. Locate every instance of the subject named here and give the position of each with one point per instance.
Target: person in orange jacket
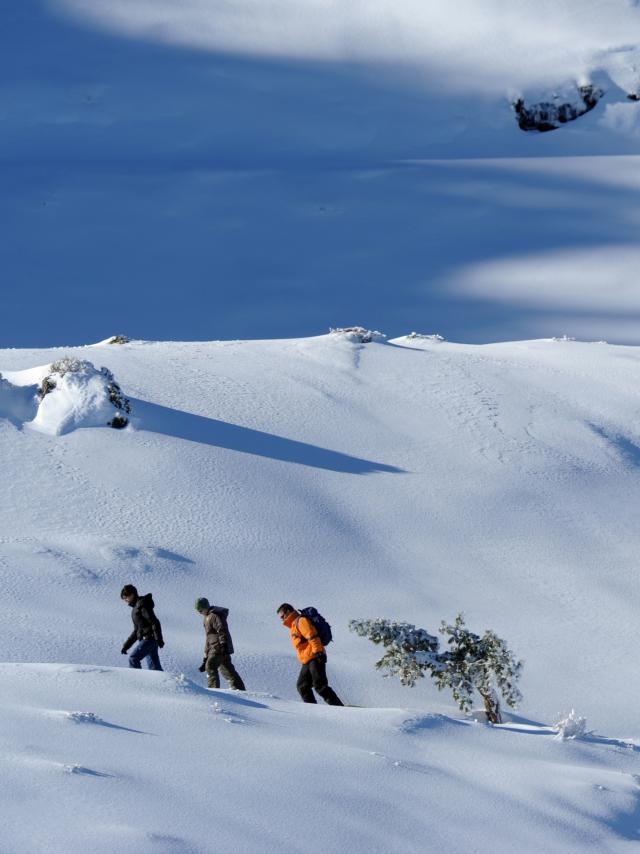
(312, 655)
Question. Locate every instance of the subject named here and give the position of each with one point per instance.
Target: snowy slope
(101, 759)
(408, 479)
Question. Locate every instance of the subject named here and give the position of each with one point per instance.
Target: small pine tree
(484, 663)
(470, 663)
(409, 651)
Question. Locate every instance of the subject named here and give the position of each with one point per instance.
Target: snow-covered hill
(409, 479)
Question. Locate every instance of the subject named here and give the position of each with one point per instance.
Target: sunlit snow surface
(101, 759)
(409, 479)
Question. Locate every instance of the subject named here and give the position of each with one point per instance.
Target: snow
(255, 171)
(108, 759)
(489, 49)
(408, 479)
(136, 157)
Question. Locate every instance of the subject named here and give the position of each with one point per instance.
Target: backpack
(321, 625)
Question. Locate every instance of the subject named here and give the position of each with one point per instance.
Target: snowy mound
(72, 393)
(76, 394)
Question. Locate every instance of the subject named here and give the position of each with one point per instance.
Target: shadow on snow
(221, 434)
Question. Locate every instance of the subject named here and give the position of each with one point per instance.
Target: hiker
(312, 655)
(146, 630)
(218, 647)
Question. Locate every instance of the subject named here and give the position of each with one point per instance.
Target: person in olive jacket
(147, 630)
(218, 647)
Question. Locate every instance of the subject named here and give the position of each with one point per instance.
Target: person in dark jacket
(311, 654)
(146, 630)
(218, 647)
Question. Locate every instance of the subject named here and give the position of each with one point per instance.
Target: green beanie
(202, 604)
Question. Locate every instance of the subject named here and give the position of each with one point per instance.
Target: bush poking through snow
(358, 334)
(550, 115)
(470, 663)
(76, 394)
(61, 368)
(418, 336)
(573, 726)
(118, 339)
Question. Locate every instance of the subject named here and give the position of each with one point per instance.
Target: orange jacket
(304, 637)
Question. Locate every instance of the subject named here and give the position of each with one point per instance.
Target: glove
(123, 651)
(161, 644)
(322, 657)
(203, 666)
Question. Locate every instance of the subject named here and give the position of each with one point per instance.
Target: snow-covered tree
(469, 663)
(409, 651)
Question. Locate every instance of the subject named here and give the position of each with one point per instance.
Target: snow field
(408, 479)
(106, 759)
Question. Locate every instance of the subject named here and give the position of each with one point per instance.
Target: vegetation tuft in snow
(118, 339)
(63, 366)
(550, 115)
(572, 726)
(471, 663)
(418, 336)
(358, 333)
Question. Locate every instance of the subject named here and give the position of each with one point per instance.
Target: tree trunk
(491, 707)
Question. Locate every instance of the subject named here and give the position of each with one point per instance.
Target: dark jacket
(217, 631)
(146, 626)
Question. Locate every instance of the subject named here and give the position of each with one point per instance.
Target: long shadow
(245, 440)
(628, 450)
(233, 697)
(100, 722)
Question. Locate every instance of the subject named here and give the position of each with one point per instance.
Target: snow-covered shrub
(470, 663)
(74, 393)
(572, 726)
(549, 115)
(413, 336)
(358, 334)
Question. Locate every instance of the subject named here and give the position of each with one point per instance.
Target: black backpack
(321, 625)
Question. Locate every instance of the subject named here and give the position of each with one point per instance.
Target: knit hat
(202, 604)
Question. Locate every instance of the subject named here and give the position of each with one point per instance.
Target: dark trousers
(223, 663)
(145, 649)
(314, 676)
